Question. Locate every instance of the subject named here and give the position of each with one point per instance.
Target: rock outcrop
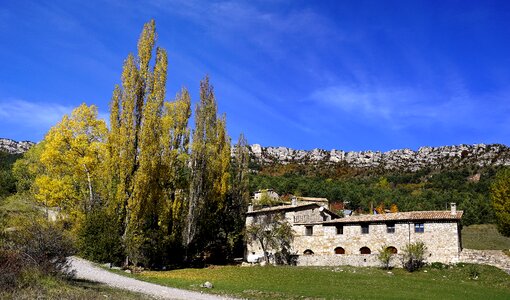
(404, 159)
(13, 147)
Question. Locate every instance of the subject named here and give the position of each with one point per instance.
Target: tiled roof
(400, 216)
(314, 199)
(288, 207)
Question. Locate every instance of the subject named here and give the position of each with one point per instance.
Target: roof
(312, 199)
(289, 207)
(400, 216)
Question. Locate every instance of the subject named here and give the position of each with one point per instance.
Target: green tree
(500, 195)
(210, 165)
(272, 232)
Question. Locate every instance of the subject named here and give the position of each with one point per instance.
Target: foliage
(33, 246)
(272, 232)
(384, 256)
(70, 162)
(413, 256)
(99, 238)
(7, 179)
(400, 191)
(500, 195)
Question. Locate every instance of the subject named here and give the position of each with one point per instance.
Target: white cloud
(402, 107)
(33, 114)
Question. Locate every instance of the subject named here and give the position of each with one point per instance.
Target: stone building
(323, 238)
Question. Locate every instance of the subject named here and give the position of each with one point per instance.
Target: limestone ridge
(480, 155)
(14, 147)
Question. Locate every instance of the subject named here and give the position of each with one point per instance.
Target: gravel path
(86, 270)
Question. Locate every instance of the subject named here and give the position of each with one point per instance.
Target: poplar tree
(134, 146)
(210, 163)
(175, 157)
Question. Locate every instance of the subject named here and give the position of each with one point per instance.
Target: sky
(349, 75)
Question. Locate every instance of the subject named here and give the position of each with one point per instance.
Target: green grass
(339, 282)
(54, 289)
(484, 237)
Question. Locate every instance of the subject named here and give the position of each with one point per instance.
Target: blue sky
(350, 75)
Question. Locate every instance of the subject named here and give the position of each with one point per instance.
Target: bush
(33, 247)
(413, 256)
(99, 238)
(385, 256)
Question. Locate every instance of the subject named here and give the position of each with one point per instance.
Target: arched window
(392, 249)
(365, 250)
(339, 250)
(308, 252)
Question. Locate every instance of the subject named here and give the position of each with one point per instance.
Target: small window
(339, 250)
(390, 228)
(339, 229)
(419, 227)
(309, 230)
(365, 250)
(392, 249)
(364, 229)
(308, 252)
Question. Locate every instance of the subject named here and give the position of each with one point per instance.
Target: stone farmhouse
(322, 238)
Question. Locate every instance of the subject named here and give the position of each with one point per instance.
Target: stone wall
(441, 239)
(494, 258)
(356, 260)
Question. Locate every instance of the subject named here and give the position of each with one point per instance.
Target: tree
(71, 159)
(237, 201)
(500, 196)
(272, 232)
(210, 166)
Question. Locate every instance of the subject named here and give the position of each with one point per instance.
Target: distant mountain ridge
(14, 147)
(479, 155)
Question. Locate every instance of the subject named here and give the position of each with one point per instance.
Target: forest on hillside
(427, 189)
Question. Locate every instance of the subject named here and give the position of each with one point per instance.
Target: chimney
(250, 208)
(453, 207)
(293, 202)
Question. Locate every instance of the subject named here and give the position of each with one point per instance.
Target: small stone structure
(322, 238)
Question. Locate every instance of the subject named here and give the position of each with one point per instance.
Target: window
(364, 229)
(339, 229)
(390, 228)
(419, 227)
(339, 250)
(392, 249)
(309, 230)
(365, 250)
(308, 252)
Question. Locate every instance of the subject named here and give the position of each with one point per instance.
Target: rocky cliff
(13, 147)
(404, 159)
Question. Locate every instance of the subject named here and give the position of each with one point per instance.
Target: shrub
(36, 247)
(99, 238)
(385, 256)
(413, 256)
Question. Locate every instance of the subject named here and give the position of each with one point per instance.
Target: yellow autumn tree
(71, 159)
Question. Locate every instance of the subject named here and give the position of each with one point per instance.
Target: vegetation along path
(87, 270)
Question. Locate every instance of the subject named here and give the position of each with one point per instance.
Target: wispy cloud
(404, 107)
(34, 114)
